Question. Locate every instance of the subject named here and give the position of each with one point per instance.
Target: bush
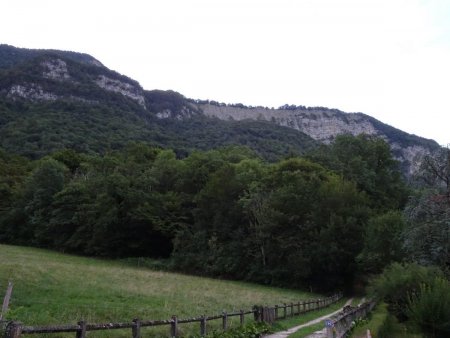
(430, 308)
(253, 330)
(398, 282)
(387, 327)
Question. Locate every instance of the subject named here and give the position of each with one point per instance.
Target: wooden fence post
(271, 315)
(224, 321)
(330, 332)
(263, 311)
(14, 330)
(6, 300)
(203, 326)
(81, 333)
(174, 327)
(276, 312)
(285, 311)
(256, 313)
(136, 328)
(241, 317)
(292, 309)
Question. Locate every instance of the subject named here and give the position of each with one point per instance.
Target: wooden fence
(259, 313)
(338, 325)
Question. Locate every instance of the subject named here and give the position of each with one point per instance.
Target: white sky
(387, 58)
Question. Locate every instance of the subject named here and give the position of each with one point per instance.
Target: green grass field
(53, 288)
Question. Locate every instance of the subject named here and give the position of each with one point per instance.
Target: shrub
(253, 330)
(398, 282)
(430, 308)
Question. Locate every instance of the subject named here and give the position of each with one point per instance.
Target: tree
(427, 236)
(382, 242)
(13, 172)
(434, 172)
(369, 163)
(398, 282)
(45, 181)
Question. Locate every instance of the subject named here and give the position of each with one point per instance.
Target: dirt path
(284, 334)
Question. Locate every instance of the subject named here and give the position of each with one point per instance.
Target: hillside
(51, 288)
(11, 56)
(54, 99)
(323, 125)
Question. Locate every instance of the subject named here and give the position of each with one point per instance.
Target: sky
(389, 59)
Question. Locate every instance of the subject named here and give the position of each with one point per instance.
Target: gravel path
(284, 334)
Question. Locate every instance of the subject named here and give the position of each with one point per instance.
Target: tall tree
(369, 163)
(427, 236)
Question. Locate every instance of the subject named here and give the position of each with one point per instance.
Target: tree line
(315, 221)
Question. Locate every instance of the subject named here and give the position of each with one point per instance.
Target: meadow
(55, 288)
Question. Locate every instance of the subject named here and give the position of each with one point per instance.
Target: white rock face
(187, 111)
(55, 69)
(164, 114)
(123, 88)
(413, 155)
(321, 125)
(31, 92)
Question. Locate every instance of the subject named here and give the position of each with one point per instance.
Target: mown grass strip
(307, 331)
(288, 323)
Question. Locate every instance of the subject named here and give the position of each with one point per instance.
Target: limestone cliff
(52, 77)
(126, 89)
(324, 125)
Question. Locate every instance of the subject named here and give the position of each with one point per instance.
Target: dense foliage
(11, 56)
(430, 308)
(223, 212)
(52, 100)
(427, 234)
(418, 292)
(37, 129)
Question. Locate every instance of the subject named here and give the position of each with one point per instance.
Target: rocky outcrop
(31, 92)
(124, 88)
(55, 69)
(324, 125)
(321, 125)
(187, 111)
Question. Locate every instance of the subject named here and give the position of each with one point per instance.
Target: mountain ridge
(324, 124)
(35, 77)
(11, 56)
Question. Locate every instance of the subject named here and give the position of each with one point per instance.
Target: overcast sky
(387, 58)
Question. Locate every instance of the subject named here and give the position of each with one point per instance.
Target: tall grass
(53, 288)
(430, 308)
(382, 324)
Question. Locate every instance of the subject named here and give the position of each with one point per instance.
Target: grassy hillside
(52, 288)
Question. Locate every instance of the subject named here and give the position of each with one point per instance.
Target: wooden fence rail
(271, 314)
(338, 325)
(259, 313)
